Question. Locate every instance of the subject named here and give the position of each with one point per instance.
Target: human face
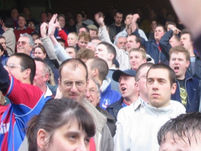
(93, 33)
(37, 42)
(14, 68)
(178, 144)
(121, 43)
(73, 82)
(40, 77)
(79, 18)
(21, 22)
(62, 21)
(158, 33)
(174, 41)
(131, 43)
(38, 53)
(72, 40)
(3, 43)
(118, 18)
(71, 51)
(69, 137)
(159, 87)
(92, 94)
(136, 59)
(128, 19)
(82, 43)
(179, 64)
(141, 82)
(186, 41)
(23, 45)
(101, 52)
(127, 86)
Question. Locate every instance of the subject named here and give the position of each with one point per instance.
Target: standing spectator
(138, 124)
(117, 26)
(22, 27)
(188, 90)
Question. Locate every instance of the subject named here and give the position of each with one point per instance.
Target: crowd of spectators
(108, 86)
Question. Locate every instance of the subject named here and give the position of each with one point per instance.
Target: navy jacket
(114, 108)
(193, 91)
(153, 49)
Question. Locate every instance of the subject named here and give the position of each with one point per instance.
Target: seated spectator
(93, 31)
(3, 55)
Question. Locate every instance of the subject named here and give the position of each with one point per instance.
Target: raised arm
(59, 50)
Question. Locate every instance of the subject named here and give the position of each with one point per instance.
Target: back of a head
(63, 112)
(102, 67)
(110, 49)
(85, 54)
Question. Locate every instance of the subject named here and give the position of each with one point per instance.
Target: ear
(26, 74)
(173, 88)
(94, 73)
(42, 139)
(187, 64)
(110, 56)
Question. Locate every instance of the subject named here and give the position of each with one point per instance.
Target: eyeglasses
(13, 66)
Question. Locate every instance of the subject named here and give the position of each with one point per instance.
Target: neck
(118, 24)
(191, 52)
(130, 100)
(43, 88)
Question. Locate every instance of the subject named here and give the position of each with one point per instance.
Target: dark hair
(55, 114)
(102, 67)
(75, 62)
(41, 47)
(110, 49)
(172, 76)
(184, 126)
(27, 63)
(137, 38)
(1, 48)
(186, 31)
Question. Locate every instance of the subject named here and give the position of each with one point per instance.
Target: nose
(87, 94)
(73, 88)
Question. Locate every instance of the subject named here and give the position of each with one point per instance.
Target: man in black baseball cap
(128, 88)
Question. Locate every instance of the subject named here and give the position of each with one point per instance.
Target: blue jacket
(193, 91)
(114, 108)
(108, 96)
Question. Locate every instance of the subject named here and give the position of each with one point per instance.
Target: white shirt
(138, 125)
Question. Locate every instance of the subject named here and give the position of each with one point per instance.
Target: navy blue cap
(118, 73)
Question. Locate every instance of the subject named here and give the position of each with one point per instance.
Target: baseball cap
(127, 72)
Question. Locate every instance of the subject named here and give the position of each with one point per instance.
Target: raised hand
(43, 29)
(53, 24)
(99, 18)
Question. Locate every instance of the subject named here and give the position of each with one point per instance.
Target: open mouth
(176, 69)
(123, 89)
